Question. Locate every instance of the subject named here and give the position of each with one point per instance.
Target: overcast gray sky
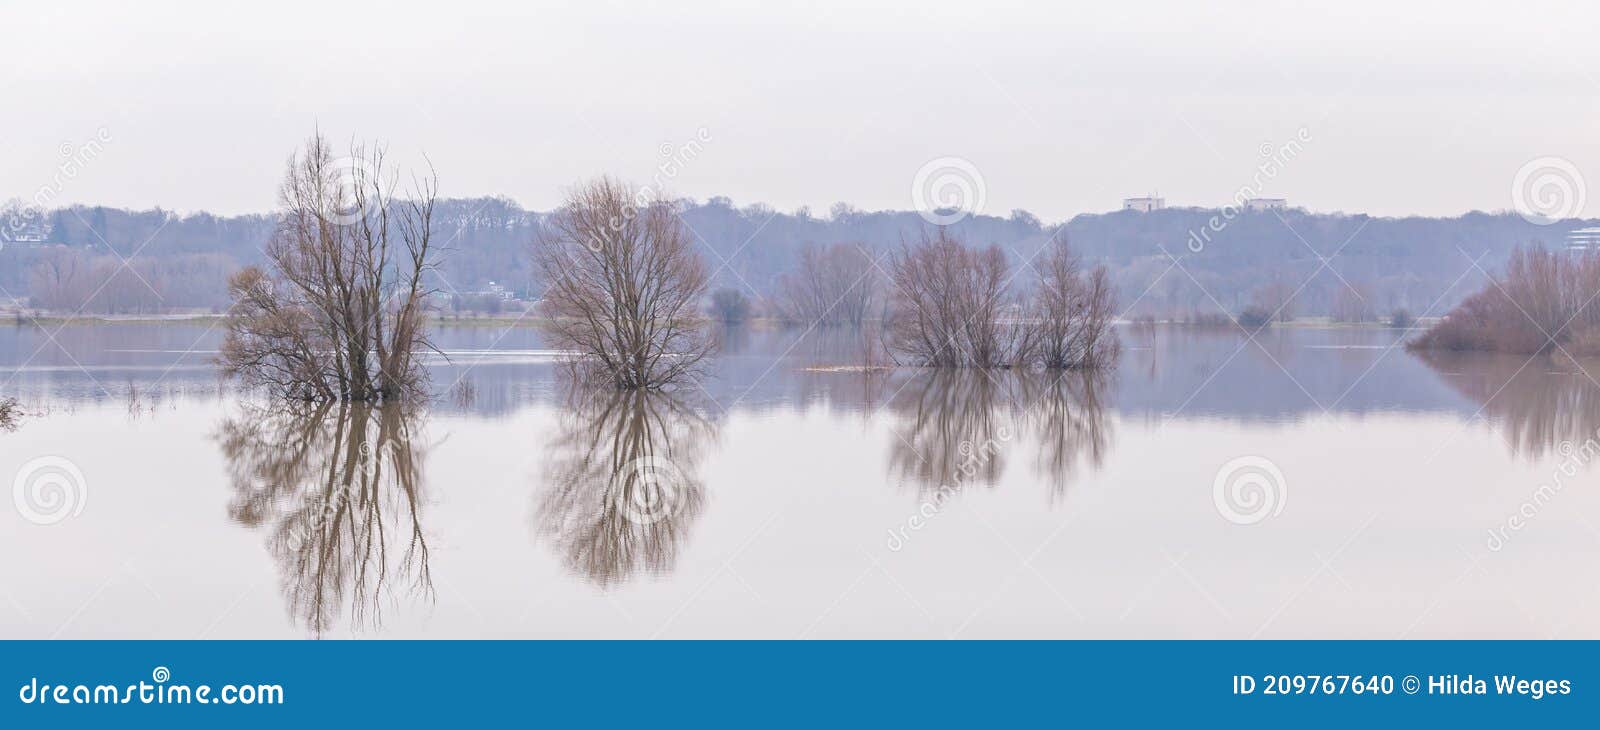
(1064, 108)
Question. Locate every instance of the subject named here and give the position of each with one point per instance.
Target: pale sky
(1064, 108)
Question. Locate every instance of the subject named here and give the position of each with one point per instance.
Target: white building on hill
(1261, 204)
(1145, 204)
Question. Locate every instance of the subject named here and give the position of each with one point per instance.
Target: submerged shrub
(1544, 301)
(623, 286)
(954, 307)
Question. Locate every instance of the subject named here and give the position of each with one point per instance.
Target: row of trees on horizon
(155, 261)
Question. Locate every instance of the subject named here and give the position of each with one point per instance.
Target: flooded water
(1310, 483)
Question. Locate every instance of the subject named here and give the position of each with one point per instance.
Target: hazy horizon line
(827, 215)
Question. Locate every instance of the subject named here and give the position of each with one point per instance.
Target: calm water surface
(786, 496)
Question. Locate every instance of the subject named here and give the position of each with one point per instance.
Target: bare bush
(953, 308)
(1543, 302)
(623, 285)
(949, 302)
(341, 315)
(1072, 313)
(829, 286)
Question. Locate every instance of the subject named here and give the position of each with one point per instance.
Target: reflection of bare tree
(1538, 404)
(337, 488)
(622, 484)
(955, 425)
(1067, 411)
(952, 422)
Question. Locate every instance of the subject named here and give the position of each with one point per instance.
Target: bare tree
(342, 314)
(1072, 313)
(623, 285)
(949, 304)
(953, 308)
(829, 286)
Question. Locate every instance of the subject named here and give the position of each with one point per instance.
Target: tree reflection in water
(622, 487)
(1067, 412)
(952, 427)
(1540, 404)
(958, 427)
(337, 489)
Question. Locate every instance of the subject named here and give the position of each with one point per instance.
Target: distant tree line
(1272, 261)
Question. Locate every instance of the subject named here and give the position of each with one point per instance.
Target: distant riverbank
(24, 318)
